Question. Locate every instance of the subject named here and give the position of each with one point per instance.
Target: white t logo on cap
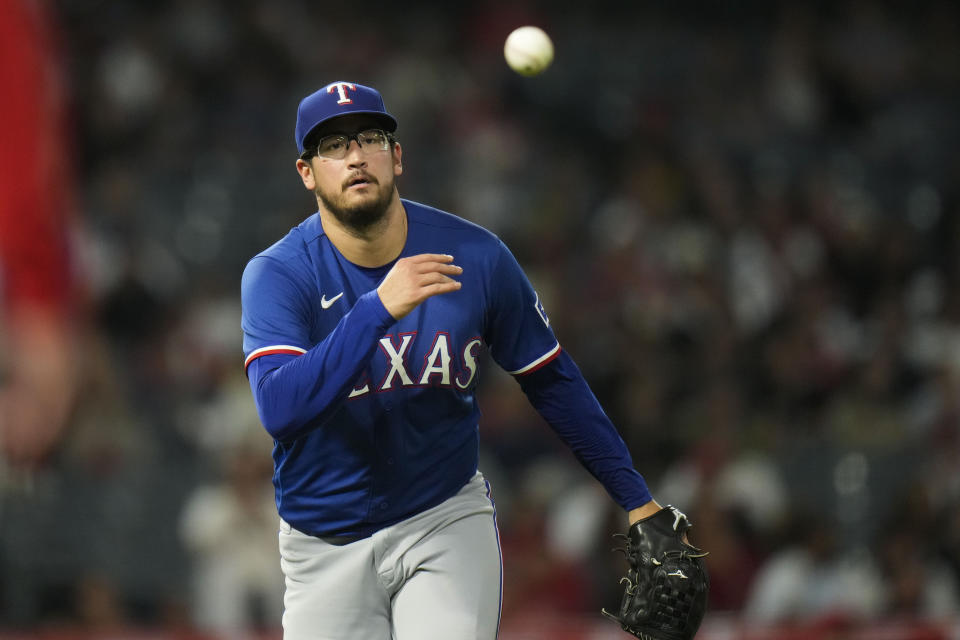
(341, 88)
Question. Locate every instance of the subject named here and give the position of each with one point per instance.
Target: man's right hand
(416, 278)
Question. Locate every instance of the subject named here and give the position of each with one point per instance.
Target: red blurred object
(36, 180)
(38, 289)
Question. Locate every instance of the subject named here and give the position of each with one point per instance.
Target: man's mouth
(359, 181)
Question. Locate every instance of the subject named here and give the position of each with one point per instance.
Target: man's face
(358, 188)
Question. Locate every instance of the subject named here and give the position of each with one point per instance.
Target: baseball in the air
(528, 50)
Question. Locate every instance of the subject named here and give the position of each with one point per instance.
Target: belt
(339, 540)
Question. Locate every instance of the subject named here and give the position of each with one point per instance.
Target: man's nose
(355, 153)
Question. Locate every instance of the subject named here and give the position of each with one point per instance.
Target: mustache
(359, 176)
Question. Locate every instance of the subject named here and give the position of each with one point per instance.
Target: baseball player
(362, 330)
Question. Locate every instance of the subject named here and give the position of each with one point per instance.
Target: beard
(362, 215)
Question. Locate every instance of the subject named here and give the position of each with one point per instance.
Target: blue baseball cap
(340, 99)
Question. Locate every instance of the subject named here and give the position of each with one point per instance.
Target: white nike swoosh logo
(326, 304)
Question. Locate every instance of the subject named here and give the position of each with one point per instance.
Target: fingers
(430, 257)
(440, 275)
(448, 269)
(434, 262)
(415, 278)
(434, 278)
(445, 286)
(430, 265)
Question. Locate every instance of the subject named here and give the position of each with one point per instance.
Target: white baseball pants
(435, 576)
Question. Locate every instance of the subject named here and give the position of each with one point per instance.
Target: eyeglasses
(335, 146)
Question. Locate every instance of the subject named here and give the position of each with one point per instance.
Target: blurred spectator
(918, 583)
(812, 578)
(39, 320)
(737, 503)
(98, 606)
(919, 580)
(543, 547)
(230, 528)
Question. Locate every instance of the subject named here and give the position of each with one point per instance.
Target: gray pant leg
(452, 577)
(332, 592)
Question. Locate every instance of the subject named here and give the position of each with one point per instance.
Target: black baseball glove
(667, 583)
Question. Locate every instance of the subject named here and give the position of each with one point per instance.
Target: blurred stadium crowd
(743, 222)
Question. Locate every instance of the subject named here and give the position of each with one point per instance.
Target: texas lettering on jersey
(437, 369)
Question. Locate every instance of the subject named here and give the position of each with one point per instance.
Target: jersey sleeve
(275, 315)
(518, 331)
(297, 386)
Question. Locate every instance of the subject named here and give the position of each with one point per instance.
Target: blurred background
(742, 218)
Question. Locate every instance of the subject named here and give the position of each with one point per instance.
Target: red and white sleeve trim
(539, 362)
(269, 351)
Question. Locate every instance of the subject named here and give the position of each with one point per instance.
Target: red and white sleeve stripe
(271, 350)
(539, 362)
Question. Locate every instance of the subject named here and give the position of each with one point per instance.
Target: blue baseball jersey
(376, 419)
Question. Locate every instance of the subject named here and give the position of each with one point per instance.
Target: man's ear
(305, 169)
(397, 159)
